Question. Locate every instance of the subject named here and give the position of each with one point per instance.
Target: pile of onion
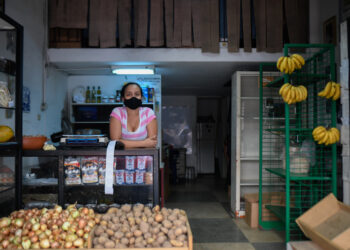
(47, 228)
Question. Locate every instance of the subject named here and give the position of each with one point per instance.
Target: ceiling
(178, 78)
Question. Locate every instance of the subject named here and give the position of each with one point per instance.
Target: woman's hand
(150, 142)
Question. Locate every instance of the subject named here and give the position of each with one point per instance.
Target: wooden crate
(189, 247)
(65, 38)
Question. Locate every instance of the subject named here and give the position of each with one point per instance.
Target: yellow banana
(296, 63)
(288, 95)
(318, 129)
(322, 93)
(292, 93)
(286, 90)
(337, 92)
(298, 94)
(299, 58)
(283, 86)
(320, 135)
(283, 64)
(332, 139)
(290, 65)
(304, 91)
(279, 61)
(326, 90)
(336, 133)
(332, 91)
(324, 138)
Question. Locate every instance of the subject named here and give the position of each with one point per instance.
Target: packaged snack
(120, 176)
(149, 163)
(72, 171)
(102, 169)
(141, 162)
(130, 162)
(129, 176)
(120, 161)
(140, 176)
(148, 178)
(89, 169)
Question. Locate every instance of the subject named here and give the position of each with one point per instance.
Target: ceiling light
(133, 70)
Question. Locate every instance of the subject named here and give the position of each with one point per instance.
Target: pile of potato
(139, 226)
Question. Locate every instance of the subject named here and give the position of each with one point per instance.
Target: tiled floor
(207, 205)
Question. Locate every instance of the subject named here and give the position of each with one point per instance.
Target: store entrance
(196, 139)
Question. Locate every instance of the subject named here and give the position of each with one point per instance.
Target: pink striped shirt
(146, 116)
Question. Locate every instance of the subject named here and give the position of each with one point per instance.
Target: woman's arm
(115, 131)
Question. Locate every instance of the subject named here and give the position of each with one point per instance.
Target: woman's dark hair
(128, 84)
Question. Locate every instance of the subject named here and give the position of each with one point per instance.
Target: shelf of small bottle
(8, 108)
(106, 104)
(102, 185)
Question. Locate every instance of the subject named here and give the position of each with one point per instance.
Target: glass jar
(105, 99)
(111, 99)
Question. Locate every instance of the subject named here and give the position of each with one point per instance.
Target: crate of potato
(134, 227)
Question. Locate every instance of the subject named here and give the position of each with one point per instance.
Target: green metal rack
(305, 171)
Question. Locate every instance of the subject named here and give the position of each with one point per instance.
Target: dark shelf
(13, 108)
(8, 144)
(5, 188)
(8, 149)
(90, 151)
(279, 211)
(296, 177)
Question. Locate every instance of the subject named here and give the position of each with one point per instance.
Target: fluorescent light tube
(132, 71)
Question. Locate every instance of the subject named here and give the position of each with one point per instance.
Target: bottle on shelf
(87, 95)
(93, 95)
(118, 96)
(145, 93)
(98, 95)
(150, 94)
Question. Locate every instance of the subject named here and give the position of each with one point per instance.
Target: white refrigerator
(206, 135)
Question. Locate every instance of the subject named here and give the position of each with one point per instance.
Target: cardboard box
(327, 223)
(252, 210)
(252, 207)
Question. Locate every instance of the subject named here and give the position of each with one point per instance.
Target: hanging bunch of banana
(292, 94)
(287, 64)
(332, 90)
(326, 136)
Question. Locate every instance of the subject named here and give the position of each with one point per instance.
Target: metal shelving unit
(307, 169)
(11, 65)
(244, 151)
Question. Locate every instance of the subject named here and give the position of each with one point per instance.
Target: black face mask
(132, 103)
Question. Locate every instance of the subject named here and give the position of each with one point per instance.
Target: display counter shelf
(133, 193)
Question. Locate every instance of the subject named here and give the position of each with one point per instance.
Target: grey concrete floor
(207, 205)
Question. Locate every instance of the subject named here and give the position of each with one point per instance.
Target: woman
(133, 125)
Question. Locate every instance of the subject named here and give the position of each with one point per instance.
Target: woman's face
(132, 91)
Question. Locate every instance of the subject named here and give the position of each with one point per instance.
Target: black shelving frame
(60, 155)
(14, 148)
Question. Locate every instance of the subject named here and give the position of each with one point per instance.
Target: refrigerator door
(206, 131)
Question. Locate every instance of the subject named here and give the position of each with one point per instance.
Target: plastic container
(33, 142)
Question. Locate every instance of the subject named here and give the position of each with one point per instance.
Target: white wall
(191, 102)
(30, 14)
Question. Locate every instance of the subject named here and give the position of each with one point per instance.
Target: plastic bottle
(87, 95)
(98, 95)
(145, 93)
(93, 95)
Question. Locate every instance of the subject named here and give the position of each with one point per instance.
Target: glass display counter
(81, 176)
